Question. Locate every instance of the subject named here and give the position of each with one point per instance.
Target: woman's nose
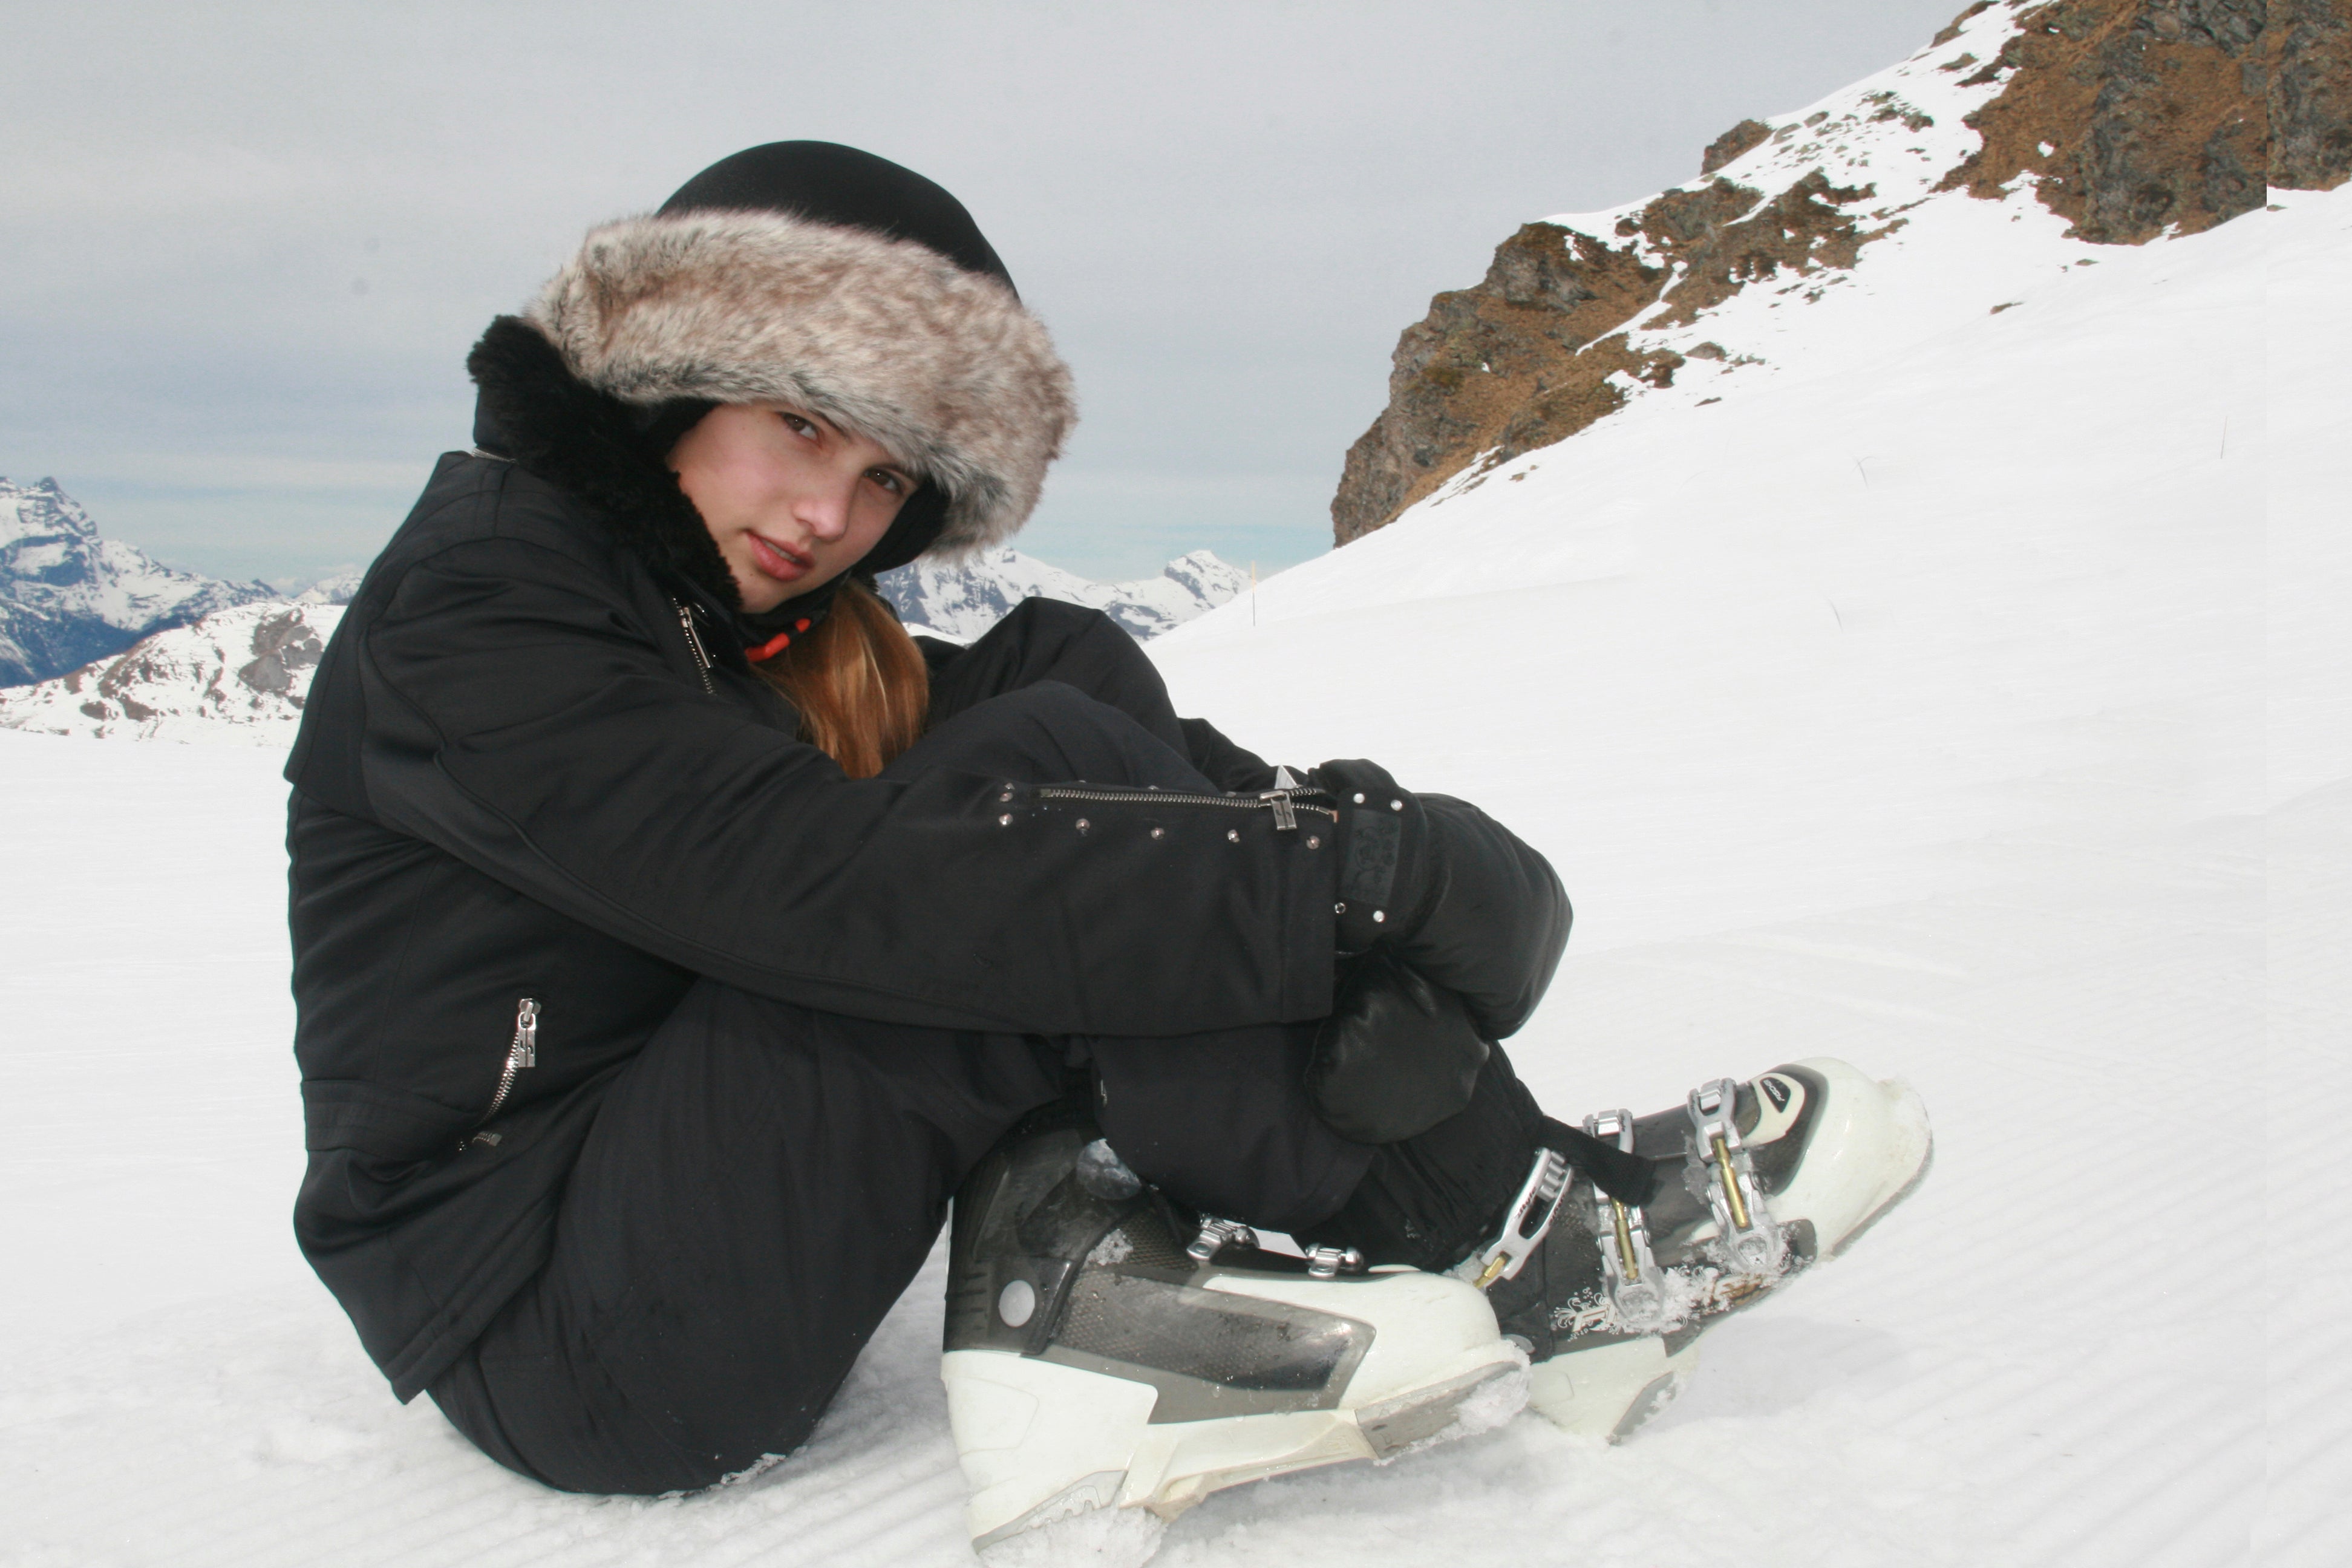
(825, 510)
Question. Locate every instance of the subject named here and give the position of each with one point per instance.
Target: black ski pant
(762, 1181)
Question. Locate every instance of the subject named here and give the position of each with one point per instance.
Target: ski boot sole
(1076, 1469)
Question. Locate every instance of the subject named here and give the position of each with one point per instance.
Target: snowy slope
(236, 676)
(68, 595)
(1967, 702)
(961, 601)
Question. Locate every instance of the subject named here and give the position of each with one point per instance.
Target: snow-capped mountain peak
(68, 595)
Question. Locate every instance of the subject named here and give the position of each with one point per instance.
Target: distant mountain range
(185, 657)
(961, 602)
(67, 597)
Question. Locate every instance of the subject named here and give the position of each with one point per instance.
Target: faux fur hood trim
(568, 433)
(945, 369)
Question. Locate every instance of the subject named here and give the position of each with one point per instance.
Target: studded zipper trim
(694, 644)
(1285, 804)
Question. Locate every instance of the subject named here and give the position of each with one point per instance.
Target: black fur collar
(591, 444)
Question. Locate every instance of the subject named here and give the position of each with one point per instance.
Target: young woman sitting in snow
(675, 937)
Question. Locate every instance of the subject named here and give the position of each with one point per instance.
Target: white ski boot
(1107, 1365)
(1755, 1182)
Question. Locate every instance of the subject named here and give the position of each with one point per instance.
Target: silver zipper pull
(694, 644)
(1286, 819)
(526, 1036)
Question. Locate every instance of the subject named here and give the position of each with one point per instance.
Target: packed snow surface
(1975, 712)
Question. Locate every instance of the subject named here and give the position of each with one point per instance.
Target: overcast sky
(246, 245)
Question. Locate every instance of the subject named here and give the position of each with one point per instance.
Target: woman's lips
(779, 562)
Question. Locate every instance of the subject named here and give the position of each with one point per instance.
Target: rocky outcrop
(2133, 118)
(1535, 353)
(1740, 139)
(2307, 63)
(1520, 362)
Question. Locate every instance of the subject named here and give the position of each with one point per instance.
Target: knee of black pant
(1429, 1200)
(1222, 1123)
(1041, 623)
(1085, 641)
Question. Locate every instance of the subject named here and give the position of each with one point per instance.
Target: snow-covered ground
(1970, 703)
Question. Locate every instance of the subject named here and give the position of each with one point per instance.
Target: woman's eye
(800, 427)
(887, 480)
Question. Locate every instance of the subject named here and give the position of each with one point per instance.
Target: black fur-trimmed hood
(944, 368)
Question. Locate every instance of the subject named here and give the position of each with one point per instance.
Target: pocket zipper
(522, 1051)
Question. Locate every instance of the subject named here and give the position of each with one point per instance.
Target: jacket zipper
(694, 645)
(1285, 804)
(522, 1051)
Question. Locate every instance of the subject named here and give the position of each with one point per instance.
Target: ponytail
(858, 681)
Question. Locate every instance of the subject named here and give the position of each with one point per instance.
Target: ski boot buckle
(1526, 1223)
(1330, 1262)
(1629, 1272)
(1216, 1235)
(1751, 1242)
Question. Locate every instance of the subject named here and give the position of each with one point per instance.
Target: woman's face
(791, 500)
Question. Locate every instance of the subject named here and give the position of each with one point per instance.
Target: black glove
(1396, 1056)
(1441, 886)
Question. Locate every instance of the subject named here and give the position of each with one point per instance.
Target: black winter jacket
(534, 769)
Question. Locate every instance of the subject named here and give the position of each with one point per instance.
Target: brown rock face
(2307, 60)
(1503, 365)
(2156, 113)
(1740, 139)
(1525, 359)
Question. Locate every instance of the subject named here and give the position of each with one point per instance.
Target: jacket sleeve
(1228, 766)
(519, 718)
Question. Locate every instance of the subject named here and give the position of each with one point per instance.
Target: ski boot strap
(1629, 1271)
(1561, 1151)
(1525, 1224)
(1750, 1242)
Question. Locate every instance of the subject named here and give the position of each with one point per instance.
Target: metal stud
(1359, 797)
(1233, 834)
(1159, 833)
(1396, 805)
(1083, 824)
(1313, 842)
(1005, 821)
(1325, 1262)
(1380, 915)
(1339, 909)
